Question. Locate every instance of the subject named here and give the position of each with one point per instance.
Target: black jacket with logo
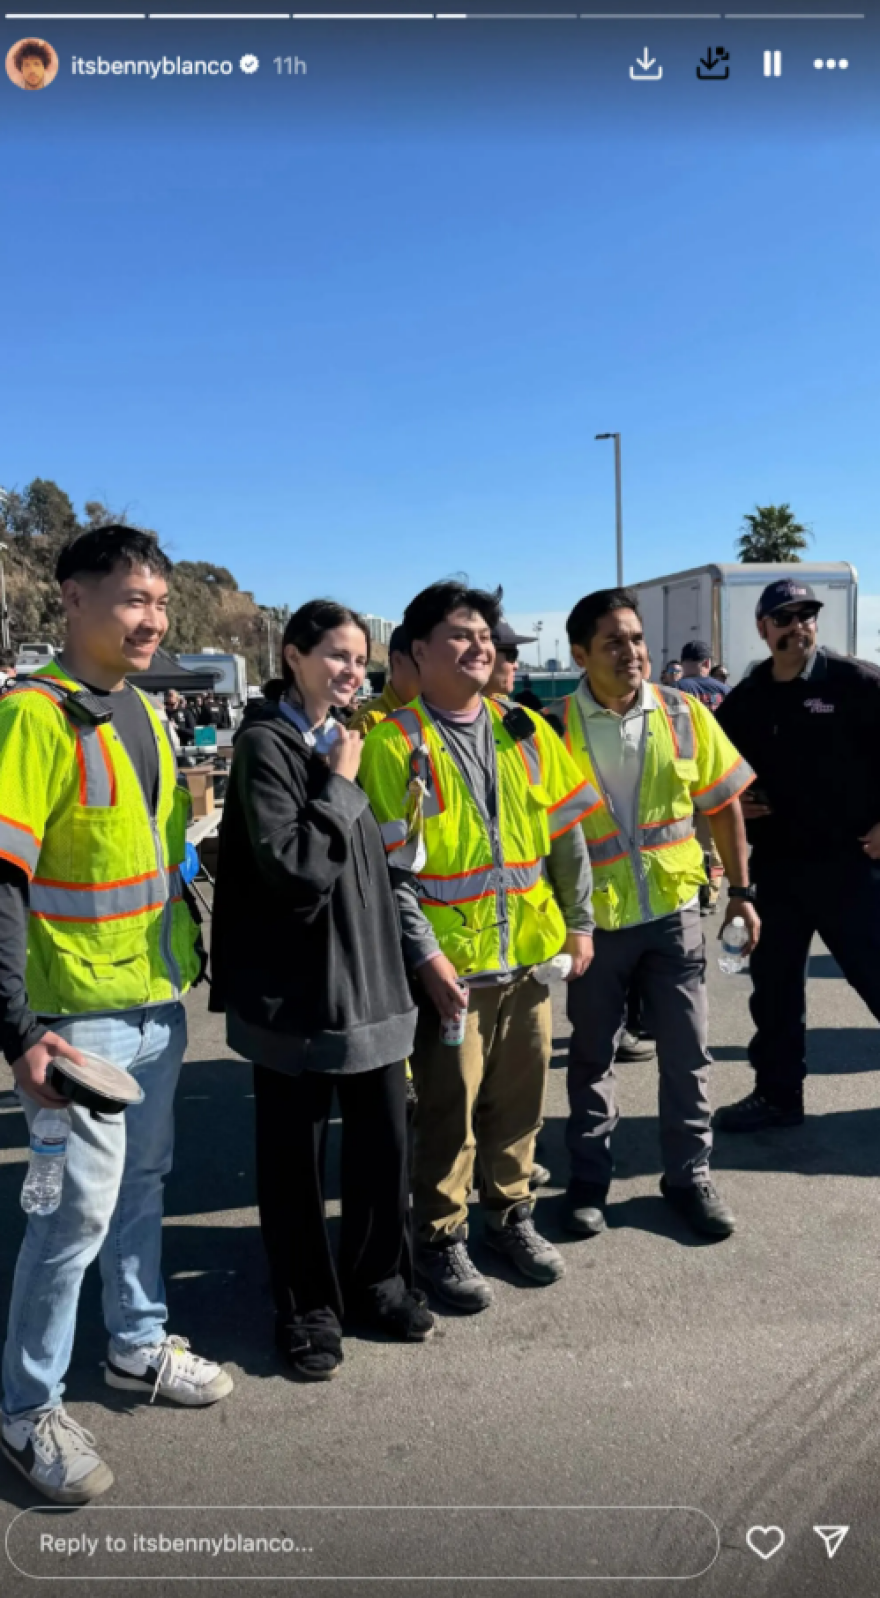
(815, 747)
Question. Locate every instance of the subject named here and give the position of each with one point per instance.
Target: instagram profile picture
(32, 64)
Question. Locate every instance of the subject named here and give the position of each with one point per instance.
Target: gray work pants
(668, 959)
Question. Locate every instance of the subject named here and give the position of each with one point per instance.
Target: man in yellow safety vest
(401, 686)
(656, 756)
(479, 807)
(97, 947)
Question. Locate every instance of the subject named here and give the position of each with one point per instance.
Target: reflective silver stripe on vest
(604, 850)
(679, 714)
(573, 808)
(92, 902)
(99, 788)
(480, 884)
(518, 879)
(666, 832)
(19, 845)
(726, 788)
(477, 884)
(393, 833)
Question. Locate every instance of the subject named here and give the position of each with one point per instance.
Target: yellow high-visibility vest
(431, 824)
(108, 926)
(689, 763)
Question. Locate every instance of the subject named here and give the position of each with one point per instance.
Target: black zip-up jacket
(306, 938)
(814, 745)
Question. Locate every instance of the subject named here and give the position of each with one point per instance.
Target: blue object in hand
(189, 866)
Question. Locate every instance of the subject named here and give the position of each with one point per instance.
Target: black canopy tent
(166, 672)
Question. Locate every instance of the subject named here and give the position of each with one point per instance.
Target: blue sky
(352, 333)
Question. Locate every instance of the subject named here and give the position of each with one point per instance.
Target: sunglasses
(784, 618)
(509, 654)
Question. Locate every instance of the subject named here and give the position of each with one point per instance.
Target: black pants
(292, 1113)
(841, 901)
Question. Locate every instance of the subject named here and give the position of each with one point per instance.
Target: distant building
(380, 629)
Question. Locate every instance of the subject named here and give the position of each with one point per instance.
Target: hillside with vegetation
(207, 609)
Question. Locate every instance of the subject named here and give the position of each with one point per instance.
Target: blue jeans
(111, 1206)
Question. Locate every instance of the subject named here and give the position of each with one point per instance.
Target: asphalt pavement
(738, 1382)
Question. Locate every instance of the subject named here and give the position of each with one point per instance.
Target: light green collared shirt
(617, 744)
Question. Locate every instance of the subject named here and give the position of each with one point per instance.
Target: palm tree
(772, 534)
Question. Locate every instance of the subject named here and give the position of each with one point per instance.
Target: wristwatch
(748, 894)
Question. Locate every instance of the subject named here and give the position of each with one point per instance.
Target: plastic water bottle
(731, 959)
(41, 1194)
(452, 1032)
(555, 970)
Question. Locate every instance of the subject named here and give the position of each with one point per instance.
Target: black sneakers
(405, 1317)
(583, 1208)
(311, 1346)
(757, 1114)
(701, 1206)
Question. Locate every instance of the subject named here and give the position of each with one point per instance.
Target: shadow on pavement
(824, 965)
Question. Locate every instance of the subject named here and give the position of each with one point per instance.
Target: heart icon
(765, 1541)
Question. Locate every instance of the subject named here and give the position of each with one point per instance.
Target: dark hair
(32, 47)
(398, 643)
(584, 620)
(308, 625)
(671, 663)
(434, 604)
(97, 552)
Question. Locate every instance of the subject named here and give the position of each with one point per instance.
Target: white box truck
(716, 604)
(229, 672)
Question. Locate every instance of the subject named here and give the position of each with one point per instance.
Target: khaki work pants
(486, 1097)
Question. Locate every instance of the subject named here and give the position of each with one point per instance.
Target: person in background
(479, 810)
(401, 686)
(655, 755)
(720, 673)
(672, 673)
(307, 965)
(507, 646)
(699, 682)
(97, 946)
(697, 676)
(527, 697)
(180, 717)
(208, 714)
(808, 720)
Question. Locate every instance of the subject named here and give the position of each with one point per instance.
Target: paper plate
(96, 1084)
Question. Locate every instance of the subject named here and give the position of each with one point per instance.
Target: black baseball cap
(787, 591)
(504, 637)
(696, 650)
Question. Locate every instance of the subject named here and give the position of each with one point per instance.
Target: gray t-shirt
(131, 722)
(472, 747)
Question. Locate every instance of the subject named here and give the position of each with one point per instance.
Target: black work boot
(757, 1114)
(583, 1208)
(701, 1206)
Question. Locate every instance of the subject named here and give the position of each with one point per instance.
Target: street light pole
(618, 498)
(4, 618)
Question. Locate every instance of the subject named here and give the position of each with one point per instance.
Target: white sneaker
(57, 1455)
(170, 1370)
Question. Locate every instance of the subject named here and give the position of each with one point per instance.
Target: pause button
(773, 63)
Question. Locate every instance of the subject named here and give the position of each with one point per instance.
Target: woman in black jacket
(307, 965)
